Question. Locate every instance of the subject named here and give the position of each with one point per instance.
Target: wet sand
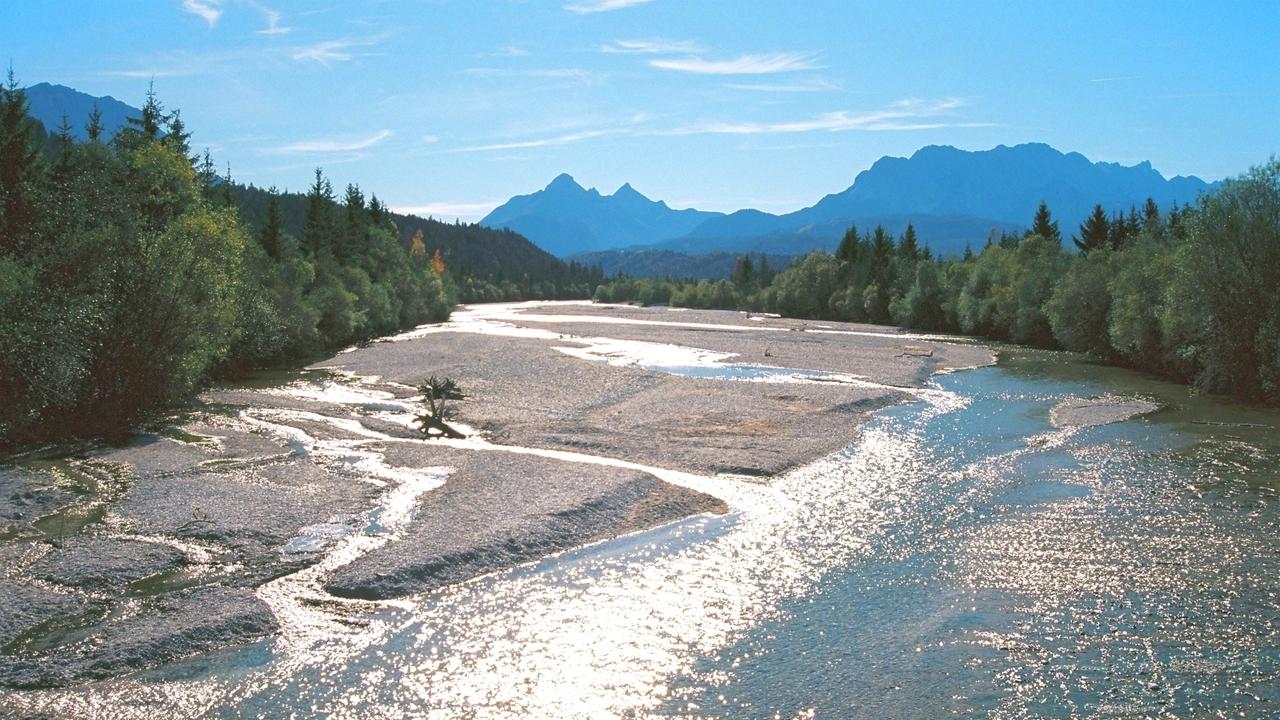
(123, 559)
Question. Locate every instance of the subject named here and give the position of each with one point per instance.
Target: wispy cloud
(448, 210)
(760, 64)
(273, 22)
(509, 51)
(583, 7)
(152, 73)
(586, 77)
(1117, 78)
(548, 141)
(910, 114)
(907, 114)
(331, 51)
(653, 47)
(818, 85)
(208, 10)
(335, 145)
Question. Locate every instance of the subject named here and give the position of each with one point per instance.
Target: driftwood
(908, 350)
(1256, 426)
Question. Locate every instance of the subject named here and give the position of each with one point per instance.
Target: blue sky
(450, 107)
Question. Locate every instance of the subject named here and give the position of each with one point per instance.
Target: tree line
(129, 275)
(1190, 292)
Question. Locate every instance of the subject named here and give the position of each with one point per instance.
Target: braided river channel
(964, 558)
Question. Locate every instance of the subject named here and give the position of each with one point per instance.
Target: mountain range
(953, 197)
(568, 219)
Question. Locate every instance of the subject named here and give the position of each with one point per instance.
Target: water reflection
(963, 558)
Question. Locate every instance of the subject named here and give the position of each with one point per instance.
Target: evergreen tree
(968, 252)
(317, 228)
(1095, 231)
(273, 227)
(743, 272)
(94, 127)
(178, 138)
(227, 199)
(1118, 231)
(909, 245)
(206, 173)
(20, 166)
(848, 249)
(65, 144)
(152, 120)
(1044, 225)
(1150, 214)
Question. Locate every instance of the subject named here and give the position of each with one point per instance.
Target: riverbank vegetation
(132, 272)
(1189, 292)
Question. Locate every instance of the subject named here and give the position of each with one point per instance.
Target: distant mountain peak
(49, 103)
(564, 181)
(565, 219)
(953, 197)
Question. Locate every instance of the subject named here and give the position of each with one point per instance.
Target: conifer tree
(66, 145)
(153, 119)
(20, 166)
(1150, 214)
(317, 227)
(743, 272)
(909, 245)
(178, 138)
(94, 127)
(1044, 225)
(1095, 231)
(273, 227)
(849, 245)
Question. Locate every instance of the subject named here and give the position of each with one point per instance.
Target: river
(964, 558)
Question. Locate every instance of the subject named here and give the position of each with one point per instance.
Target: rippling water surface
(964, 558)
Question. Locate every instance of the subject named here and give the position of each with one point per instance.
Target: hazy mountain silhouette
(953, 197)
(48, 104)
(565, 219)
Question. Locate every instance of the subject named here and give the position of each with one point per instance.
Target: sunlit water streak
(962, 558)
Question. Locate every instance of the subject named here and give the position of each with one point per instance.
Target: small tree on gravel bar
(435, 393)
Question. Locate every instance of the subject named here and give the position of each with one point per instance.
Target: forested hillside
(487, 264)
(1191, 292)
(131, 272)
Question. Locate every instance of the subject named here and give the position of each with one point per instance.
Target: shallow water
(964, 558)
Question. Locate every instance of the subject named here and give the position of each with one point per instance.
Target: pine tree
(909, 245)
(66, 145)
(1150, 215)
(94, 127)
(317, 227)
(1095, 231)
(849, 246)
(206, 173)
(376, 211)
(227, 199)
(178, 138)
(272, 229)
(1044, 225)
(968, 251)
(1133, 223)
(20, 167)
(744, 271)
(153, 119)
(1118, 235)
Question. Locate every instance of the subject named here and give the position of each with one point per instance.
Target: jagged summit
(953, 197)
